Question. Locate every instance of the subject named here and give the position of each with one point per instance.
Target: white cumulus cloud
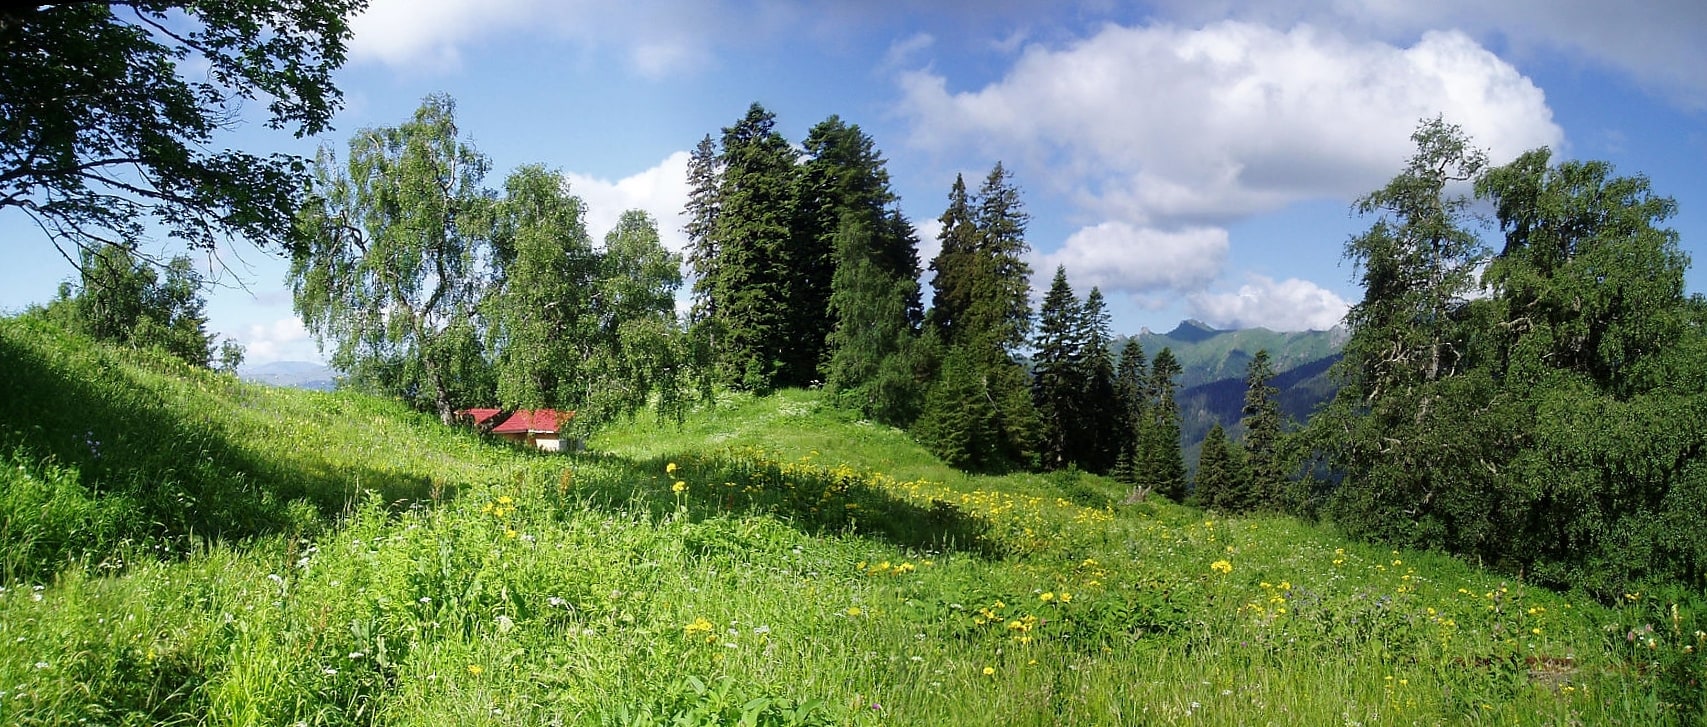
(284, 339)
(1121, 257)
(1284, 305)
(661, 190)
(1162, 124)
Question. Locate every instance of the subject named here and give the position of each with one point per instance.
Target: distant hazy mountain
(296, 374)
(1213, 364)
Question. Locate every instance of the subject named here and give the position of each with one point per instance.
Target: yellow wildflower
(475, 669)
(1046, 597)
(670, 469)
(854, 611)
(680, 486)
(1221, 566)
(989, 671)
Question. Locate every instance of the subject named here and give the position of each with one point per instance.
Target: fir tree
(953, 269)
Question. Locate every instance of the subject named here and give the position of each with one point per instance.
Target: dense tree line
(1537, 406)
(431, 287)
(124, 299)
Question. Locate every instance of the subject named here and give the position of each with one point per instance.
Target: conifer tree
(1100, 415)
(755, 257)
(872, 347)
(985, 317)
(704, 180)
(1131, 387)
(954, 270)
(1261, 421)
(1056, 368)
(1161, 464)
(1220, 480)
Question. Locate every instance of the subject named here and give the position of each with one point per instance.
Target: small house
(541, 428)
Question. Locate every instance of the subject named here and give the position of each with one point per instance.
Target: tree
(1131, 394)
(985, 292)
(954, 271)
(1001, 289)
(542, 325)
(1160, 465)
(124, 300)
(1100, 412)
(873, 348)
(388, 273)
(751, 282)
(104, 132)
(1220, 480)
(641, 352)
(1407, 418)
(1261, 420)
(1057, 368)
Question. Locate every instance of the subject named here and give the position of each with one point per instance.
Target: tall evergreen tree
(1001, 290)
(1057, 368)
(1219, 484)
(1131, 394)
(985, 313)
(1161, 464)
(704, 182)
(953, 270)
(756, 257)
(1261, 420)
(1100, 414)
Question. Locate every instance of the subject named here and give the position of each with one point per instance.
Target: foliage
(1158, 463)
(1057, 364)
(107, 129)
(389, 272)
(1523, 426)
(1261, 421)
(1223, 481)
(123, 300)
(587, 589)
(543, 326)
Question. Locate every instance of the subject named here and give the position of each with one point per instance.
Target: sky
(1191, 158)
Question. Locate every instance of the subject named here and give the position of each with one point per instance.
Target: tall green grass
(773, 561)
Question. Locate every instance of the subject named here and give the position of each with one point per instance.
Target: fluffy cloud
(661, 190)
(1165, 125)
(1120, 257)
(1655, 42)
(1285, 305)
(284, 339)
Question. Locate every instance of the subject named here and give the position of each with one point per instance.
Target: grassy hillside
(184, 548)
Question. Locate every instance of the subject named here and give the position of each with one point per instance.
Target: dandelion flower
(476, 669)
(989, 671)
(854, 611)
(670, 469)
(1047, 596)
(680, 486)
(1221, 566)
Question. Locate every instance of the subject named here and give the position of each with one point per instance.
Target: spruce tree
(1131, 387)
(757, 256)
(1220, 481)
(1161, 464)
(704, 181)
(1100, 414)
(1261, 420)
(953, 270)
(1056, 371)
(984, 314)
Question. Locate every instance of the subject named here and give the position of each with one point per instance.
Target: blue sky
(1191, 158)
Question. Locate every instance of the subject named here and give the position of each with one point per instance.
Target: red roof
(523, 421)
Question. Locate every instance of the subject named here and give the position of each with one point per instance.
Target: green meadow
(181, 548)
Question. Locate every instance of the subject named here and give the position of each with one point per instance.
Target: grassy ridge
(772, 561)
